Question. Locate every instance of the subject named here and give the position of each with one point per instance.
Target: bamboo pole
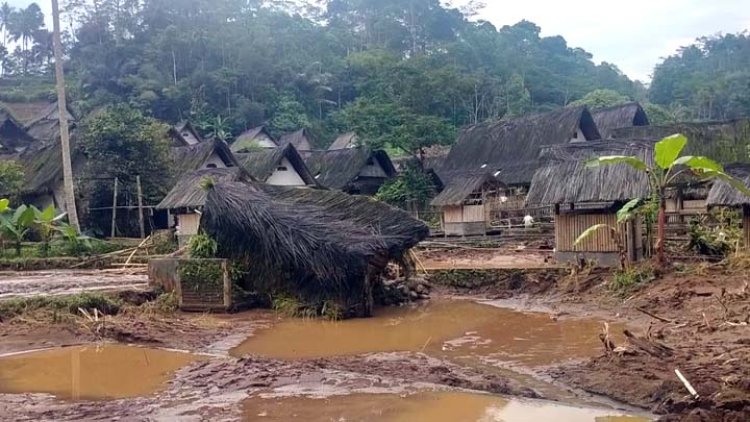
(140, 207)
(114, 211)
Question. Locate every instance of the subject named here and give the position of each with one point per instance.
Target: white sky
(632, 34)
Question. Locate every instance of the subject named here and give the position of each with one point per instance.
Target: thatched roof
(347, 140)
(726, 142)
(190, 158)
(566, 179)
(188, 193)
(248, 139)
(40, 119)
(307, 234)
(13, 137)
(722, 194)
(301, 139)
(619, 116)
(512, 147)
(261, 163)
(461, 186)
(176, 133)
(42, 167)
(339, 168)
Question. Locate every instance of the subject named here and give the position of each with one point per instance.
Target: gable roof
(512, 147)
(347, 140)
(461, 186)
(722, 194)
(40, 119)
(176, 133)
(567, 179)
(246, 140)
(188, 193)
(301, 139)
(16, 138)
(337, 169)
(624, 115)
(261, 163)
(190, 158)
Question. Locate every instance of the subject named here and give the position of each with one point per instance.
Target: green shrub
(203, 246)
(625, 282)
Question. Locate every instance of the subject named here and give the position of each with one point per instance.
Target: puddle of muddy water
(432, 407)
(91, 372)
(444, 328)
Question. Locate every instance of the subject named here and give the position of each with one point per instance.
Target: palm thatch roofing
(193, 157)
(177, 134)
(40, 119)
(722, 194)
(42, 167)
(567, 179)
(13, 138)
(619, 116)
(248, 139)
(188, 192)
(512, 147)
(301, 139)
(261, 163)
(461, 186)
(347, 140)
(726, 142)
(338, 169)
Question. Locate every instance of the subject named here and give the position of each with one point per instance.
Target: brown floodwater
(91, 372)
(427, 407)
(456, 329)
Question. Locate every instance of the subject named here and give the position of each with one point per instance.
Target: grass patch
(68, 304)
(624, 283)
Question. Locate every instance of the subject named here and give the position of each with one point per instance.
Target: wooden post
(114, 211)
(140, 207)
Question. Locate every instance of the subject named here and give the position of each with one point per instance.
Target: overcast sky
(634, 35)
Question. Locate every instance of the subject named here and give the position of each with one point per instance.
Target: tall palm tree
(5, 16)
(69, 193)
(23, 24)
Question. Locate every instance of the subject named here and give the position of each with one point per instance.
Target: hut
(277, 166)
(301, 139)
(209, 154)
(347, 140)
(358, 171)
(325, 248)
(257, 137)
(40, 119)
(184, 134)
(584, 196)
(467, 202)
(620, 116)
(722, 194)
(13, 137)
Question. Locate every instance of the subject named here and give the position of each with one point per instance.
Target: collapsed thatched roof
(301, 139)
(722, 194)
(726, 142)
(461, 186)
(188, 193)
(567, 179)
(193, 157)
(619, 116)
(261, 163)
(347, 140)
(512, 147)
(307, 233)
(253, 138)
(338, 169)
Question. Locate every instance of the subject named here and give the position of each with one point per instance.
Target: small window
(186, 134)
(211, 166)
(281, 168)
(370, 162)
(575, 135)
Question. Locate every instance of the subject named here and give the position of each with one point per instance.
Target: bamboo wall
(569, 226)
(746, 229)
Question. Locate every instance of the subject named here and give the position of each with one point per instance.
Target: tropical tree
(23, 24)
(668, 166)
(16, 225)
(45, 225)
(6, 11)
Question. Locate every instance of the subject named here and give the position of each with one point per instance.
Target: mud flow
(91, 372)
(442, 329)
(432, 406)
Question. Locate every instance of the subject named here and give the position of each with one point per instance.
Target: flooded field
(442, 328)
(428, 406)
(91, 372)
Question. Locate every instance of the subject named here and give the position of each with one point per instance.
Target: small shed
(584, 196)
(301, 139)
(467, 202)
(722, 194)
(282, 166)
(184, 134)
(251, 139)
(359, 171)
(620, 116)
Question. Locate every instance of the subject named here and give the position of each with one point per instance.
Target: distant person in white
(528, 221)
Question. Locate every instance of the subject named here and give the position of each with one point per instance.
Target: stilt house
(282, 166)
(358, 171)
(467, 203)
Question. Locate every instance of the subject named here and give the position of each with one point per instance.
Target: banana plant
(45, 224)
(16, 226)
(667, 168)
(77, 242)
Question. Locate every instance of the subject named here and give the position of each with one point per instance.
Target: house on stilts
(358, 171)
(277, 166)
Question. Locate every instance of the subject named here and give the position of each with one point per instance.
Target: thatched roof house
(277, 166)
(619, 116)
(13, 138)
(40, 119)
(467, 201)
(257, 137)
(314, 244)
(347, 140)
(512, 147)
(207, 154)
(352, 170)
(188, 193)
(184, 134)
(301, 139)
